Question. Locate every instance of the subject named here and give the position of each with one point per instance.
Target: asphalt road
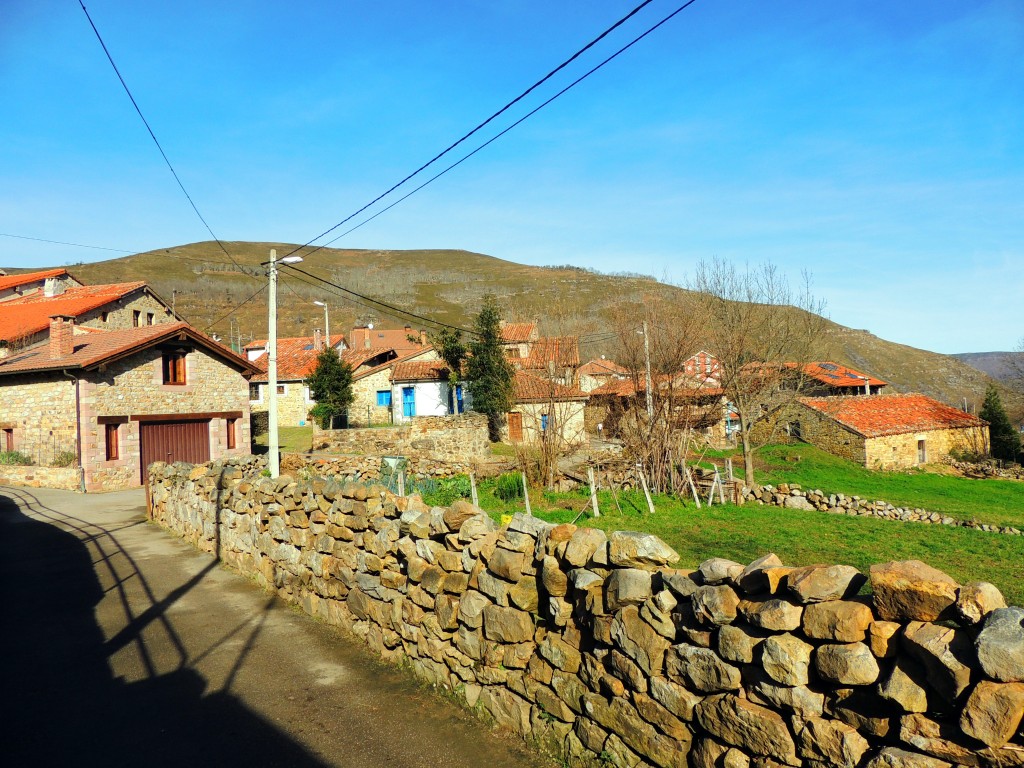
(122, 646)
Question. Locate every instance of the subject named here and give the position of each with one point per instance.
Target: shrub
(449, 490)
(15, 457)
(64, 459)
(509, 486)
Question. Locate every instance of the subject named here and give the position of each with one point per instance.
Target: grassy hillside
(448, 285)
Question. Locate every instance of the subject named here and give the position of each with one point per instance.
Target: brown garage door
(173, 441)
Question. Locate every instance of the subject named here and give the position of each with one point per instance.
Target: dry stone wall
(597, 648)
(461, 438)
(794, 497)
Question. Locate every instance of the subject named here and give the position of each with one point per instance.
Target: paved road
(122, 646)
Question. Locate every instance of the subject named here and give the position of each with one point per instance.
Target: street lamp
(274, 458)
(327, 322)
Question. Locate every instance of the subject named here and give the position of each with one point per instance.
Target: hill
(995, 364)
(205, 286)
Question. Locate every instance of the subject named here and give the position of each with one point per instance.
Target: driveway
(123, 646)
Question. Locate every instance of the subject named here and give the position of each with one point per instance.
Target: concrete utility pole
(273, 440)
(647, 366)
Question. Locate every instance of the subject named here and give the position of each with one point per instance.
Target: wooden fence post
(593, 491)
(526, 495)
(472, 489)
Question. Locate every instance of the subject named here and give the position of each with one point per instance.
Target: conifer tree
(1005, 440)
(490, 374)
(330, 385)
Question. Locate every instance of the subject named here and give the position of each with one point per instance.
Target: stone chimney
(318, 340)
(62, 336)
(423, 338)
(52, 286)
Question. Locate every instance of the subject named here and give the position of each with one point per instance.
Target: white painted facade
(424, 398)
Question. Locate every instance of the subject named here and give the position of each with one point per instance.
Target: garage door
(173, 441)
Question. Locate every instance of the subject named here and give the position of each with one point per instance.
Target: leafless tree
(762, 332)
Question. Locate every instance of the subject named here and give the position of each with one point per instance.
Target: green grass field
(998, 502)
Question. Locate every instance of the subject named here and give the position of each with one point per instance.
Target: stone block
(700, 669)
(846, 664)
(714, 604)
(1000, 645)
(754, 729)
(628, 549)
(626, 586)
(820, 583)
(909, 590)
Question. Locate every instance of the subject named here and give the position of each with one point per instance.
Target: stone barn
(886, 431)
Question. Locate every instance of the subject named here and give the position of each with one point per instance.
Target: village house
(596, 373)
(541, 405)
(830, 379)
(51, 282)
(556, 357)
(111, 402)
(25, 319)
(374, 397)
(422, 388)
(257, 348)
(296, 361)
(402, 340)
(894, 431)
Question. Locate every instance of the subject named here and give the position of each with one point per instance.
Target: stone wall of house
(292, 403)
(120, 314)
(364, 410)
(64, 478)
(901, 451)
(597, 648)
(41, 412)
(461, 439)
(813, 427)
(133, 387)
(794, 496)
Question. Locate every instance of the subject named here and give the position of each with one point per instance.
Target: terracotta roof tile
(91, 349)
(563, 351)
(602, 367)
(896, 414)
(530, 388)
(13, 281)
(518, 333)
(420, 370)
(31, 314)
(395, 338)
(836, 375)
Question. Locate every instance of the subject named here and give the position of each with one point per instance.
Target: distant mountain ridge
(226, 295)
(995, 364)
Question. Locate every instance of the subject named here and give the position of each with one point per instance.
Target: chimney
(408, 328)
(318, 340)
(62, 335)
(423, 337)
(52, 286)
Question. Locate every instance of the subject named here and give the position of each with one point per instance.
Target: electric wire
(480, 126)
(225, 316)
(490, 141)
(59, 242)
(152, 135)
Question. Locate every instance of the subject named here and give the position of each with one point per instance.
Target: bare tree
(762, 333)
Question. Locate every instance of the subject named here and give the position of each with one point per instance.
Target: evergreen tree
(330, 385)
(450, 347)
(489, 372)
(1005, 440)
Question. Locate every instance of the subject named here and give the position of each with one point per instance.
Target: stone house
(374, 399)
(25, 319)
(549, 357)
(893, 431)
(118, 400)
(257, 348)
(296, 360)
(828, 379)
(541, 406)
(50, 281)
(402, 340)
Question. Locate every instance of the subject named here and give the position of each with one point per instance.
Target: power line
(490, 141)
(152, 135)
(261, 289)
(480, 126)
(398, 312)
(59, 242)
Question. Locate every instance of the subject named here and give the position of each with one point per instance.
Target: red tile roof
(685, 387)
(602, 367)
(379, 338)
(402, 356)
(518, 333)
(296, 359)
(420, 370)
(530, 388)
(836, 375)
(336, 339)
(563, 351)
(13, 281)
(31, 314)
(897, 414)
(92, 349)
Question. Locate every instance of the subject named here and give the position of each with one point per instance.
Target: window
(103, 316)
(174, 367)
(307, 395)
(384, 398)
(113, 449)
(136, 314)
(232, 429)
(150, 318)
(8, 440)
(282, 388)
(256, 393)
(922, 453)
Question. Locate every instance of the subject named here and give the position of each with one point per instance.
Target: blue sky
(878, 145)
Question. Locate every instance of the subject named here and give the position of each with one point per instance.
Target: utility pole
(327, 322)
(647, 366)
(273, 440)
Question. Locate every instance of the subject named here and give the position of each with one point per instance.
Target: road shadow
(62, 705)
